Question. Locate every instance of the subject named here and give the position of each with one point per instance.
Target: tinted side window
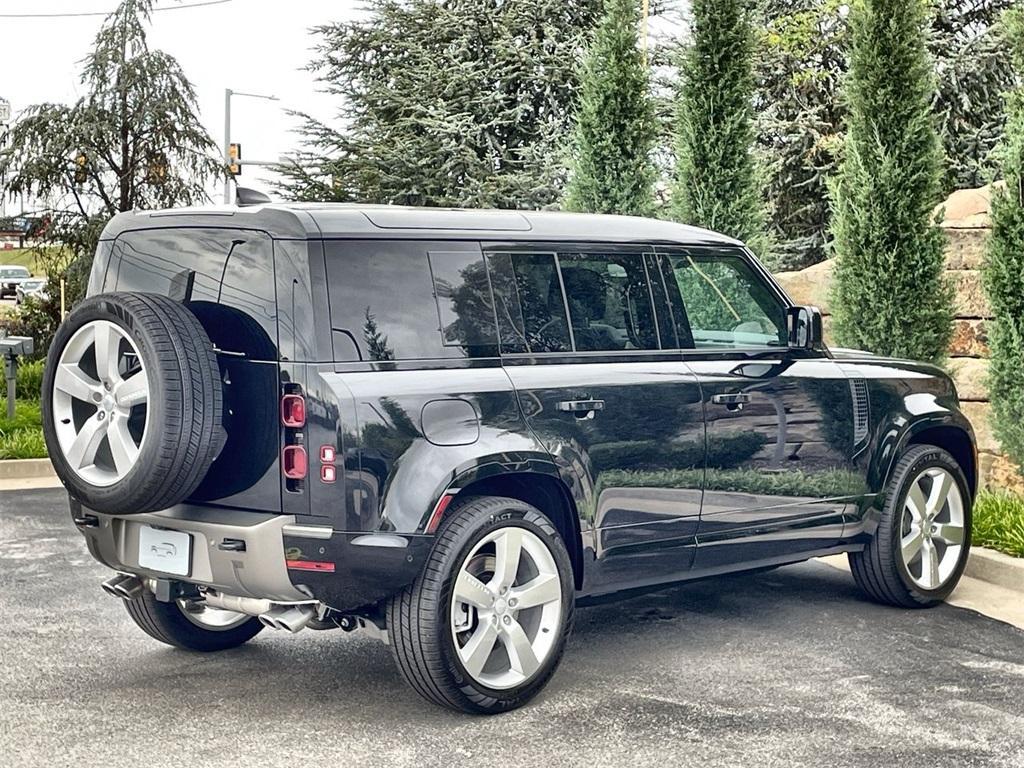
(529, 302)
(232, 270)
(727, 303)
(415, 300)
(609, 301)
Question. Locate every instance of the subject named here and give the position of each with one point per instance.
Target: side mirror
(805, 331)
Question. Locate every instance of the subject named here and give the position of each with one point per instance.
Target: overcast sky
(246, 45)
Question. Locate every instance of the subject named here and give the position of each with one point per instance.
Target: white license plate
(165, 551)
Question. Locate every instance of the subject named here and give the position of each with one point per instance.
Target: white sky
(259, 46)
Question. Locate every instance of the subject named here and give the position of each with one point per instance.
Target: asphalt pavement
(791, 667)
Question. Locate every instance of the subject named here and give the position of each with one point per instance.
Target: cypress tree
(615, 128)
(717, 179)
(1004, 270)
(891, 295)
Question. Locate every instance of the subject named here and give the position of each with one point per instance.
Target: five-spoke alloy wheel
(100, 394)
(919, 550)
(506, 605)
(932, 530)
(484, 626)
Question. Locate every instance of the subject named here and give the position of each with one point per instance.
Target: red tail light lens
(294, 463)
(293, 411)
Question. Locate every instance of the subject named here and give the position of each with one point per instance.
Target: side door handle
(734, 401)
(582, 408)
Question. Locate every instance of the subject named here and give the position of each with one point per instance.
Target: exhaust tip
(123, 586)
(268, 621)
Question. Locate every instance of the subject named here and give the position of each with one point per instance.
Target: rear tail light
(294, 463)
(293, 411)
(328, 473)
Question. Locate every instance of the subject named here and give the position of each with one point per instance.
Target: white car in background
(11, 276)
(34, 287)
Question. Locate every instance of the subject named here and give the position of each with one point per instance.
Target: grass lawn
(21, 257)
(999, 522)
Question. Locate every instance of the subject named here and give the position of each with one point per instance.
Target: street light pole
(5, 117)
(228, 93)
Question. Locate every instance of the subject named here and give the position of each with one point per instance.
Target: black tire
(417, 617)
(879, 570)
(167, 623)
(184, 424)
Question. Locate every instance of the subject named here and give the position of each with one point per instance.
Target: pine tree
(615, 129)
(803, 59)
(445, 103)
(1004, 270)
(891, 295)
(717, 181)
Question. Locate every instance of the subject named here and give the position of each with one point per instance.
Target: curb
(26, 469)
(996, 568)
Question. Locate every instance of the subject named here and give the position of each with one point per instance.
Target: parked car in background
(11, 276)
(36, 288)
(447, 427)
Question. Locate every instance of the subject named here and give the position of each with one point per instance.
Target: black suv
(448, 427)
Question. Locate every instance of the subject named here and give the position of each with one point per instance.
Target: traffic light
(81, 168)
(234, 155)
(156, 168)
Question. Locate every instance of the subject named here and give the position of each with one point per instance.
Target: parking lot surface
(790, 667)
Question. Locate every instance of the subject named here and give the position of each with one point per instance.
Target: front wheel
(190, 624)
(920, 548)
(483, 628)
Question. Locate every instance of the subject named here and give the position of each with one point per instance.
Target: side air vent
(861, 411)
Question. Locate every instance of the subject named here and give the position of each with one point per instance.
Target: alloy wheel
(506, 608)
(100, 400)
(932, 528)
(208, 617)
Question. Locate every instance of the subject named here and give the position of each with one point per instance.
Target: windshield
(32, 284)
(14, 272)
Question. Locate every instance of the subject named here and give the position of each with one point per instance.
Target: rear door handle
(732, 399)
(581, 406)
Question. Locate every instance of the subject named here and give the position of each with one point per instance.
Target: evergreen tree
(717, 181)
(133, 140)
(1004, 270)
(800, 69)
(803, 59)
(615, 129)
(891, 295)
(445, 103)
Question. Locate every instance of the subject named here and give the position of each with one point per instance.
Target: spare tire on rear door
(132, 403)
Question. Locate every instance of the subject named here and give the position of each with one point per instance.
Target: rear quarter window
(409, 300)
(233, 269)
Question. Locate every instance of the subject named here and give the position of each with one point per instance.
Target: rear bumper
(362, 569)
(259, 571)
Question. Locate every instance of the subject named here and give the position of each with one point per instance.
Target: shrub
(30, 379)
(1004, 273)
(22, 436)
(999, 522)
(891, 295)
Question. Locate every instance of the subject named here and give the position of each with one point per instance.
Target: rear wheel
(191, 625)
(920, 548)
(484, 627)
